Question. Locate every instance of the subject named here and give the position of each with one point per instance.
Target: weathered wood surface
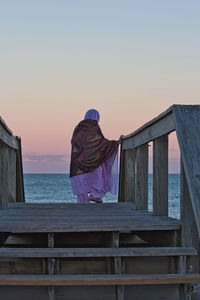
(97, 252)
(189, 231)
(188, 132)
(122, 279)
(130, 159)
(161, 125)
(140, 292)
(20, 196)
(141, 198)
(80, 218)
(4, 160)
(11, 179)
(6, 137)
(127, 176)
(160, 176)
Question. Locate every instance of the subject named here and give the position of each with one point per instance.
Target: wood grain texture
(130, 279)
(154, 129)
(11, 175)
(4, 159)
(8, 139)
(130, 160)
(141, 199)
(20, 196)
(97, 252)
(81, 218)
(160, 176)
(187, 119)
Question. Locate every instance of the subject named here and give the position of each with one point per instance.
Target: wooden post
(141, 200)
(121, 193)
(127, 176)
(3, 176)
(118, 267)
(20, 197)
(51, 265)
(12, 175)
(130, 175)
(160, 176)
(189, 231)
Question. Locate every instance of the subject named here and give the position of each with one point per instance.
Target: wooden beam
(97, 252)
(7, 138)
(188, 229)
(51, 265)
(160, 176)
(3, 176)
(130, 175)
(141, 200)
(76, 280)
(187, 119)
(121, 192)
(163, 124)
(20, 196)
(11, 185)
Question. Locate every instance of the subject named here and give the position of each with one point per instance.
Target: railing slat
(141, 199)
(160, 176)
(20, 196)
(150, 131)
(11, 175)
(3, 176)
(189, 229)
(121, 193)
(130, 175)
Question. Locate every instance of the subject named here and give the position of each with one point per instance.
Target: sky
(130, 60)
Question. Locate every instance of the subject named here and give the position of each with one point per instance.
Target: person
(94, 161)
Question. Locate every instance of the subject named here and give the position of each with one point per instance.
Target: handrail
(11, 172)
(162, 124)
(185, 120)
(7, 137)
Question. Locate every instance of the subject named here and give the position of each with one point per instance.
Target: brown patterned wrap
(89, 148)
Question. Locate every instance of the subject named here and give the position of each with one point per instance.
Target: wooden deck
(32, 218)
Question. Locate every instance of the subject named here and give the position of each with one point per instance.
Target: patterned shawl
(89, 148)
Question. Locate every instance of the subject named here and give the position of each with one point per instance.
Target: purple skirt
(98, 182)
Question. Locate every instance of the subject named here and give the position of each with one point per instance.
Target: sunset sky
(130, 60)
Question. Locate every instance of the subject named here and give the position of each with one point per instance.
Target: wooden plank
(121, 191)
(11, 175)
(117, 267)
(160, 176)
(20, 196)
(97, 252)
(41, 228)
(7, 139)
(188, 132)
(130, 175)
(3, 176)
(163, 124)
(136, 279)
(51, 265)
(141, 199)
(189, 229)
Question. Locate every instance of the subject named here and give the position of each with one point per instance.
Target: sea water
(44, 188)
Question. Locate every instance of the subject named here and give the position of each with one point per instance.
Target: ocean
(43, 188)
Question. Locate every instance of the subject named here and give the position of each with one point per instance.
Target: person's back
(93, 168)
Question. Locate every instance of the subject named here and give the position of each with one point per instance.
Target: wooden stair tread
(130, 279)
(32, 218)
(97, 252)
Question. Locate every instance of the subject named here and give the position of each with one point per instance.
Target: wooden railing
(133, 182)
(11, 172)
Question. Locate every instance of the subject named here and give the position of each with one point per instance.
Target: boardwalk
(109, 251)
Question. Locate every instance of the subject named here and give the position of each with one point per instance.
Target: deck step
(97, 252)
(130, 279)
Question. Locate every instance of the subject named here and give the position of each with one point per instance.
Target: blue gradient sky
(129, 59)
